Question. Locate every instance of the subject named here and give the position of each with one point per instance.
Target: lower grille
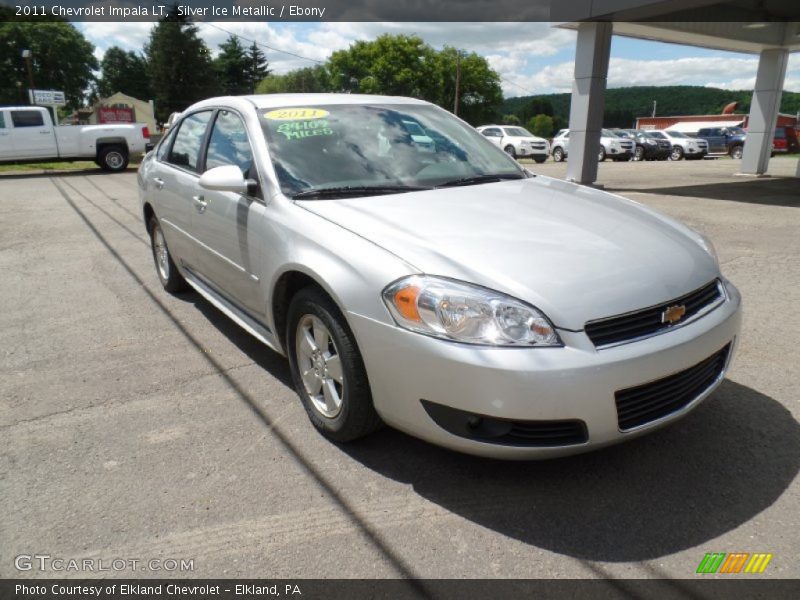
(649, 321)
(507, 432)
(649, 402)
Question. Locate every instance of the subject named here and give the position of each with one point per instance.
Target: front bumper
(574, 382)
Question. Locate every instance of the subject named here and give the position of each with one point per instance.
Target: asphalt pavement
(139, 425)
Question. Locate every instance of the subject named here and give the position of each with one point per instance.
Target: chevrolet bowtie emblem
(673, 314)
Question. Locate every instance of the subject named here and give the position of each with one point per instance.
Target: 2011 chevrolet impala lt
(416, 275)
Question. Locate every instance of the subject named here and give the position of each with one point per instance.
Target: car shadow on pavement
(769, 191)
(267, 359)
(677, 488)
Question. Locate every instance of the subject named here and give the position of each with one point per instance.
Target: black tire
(113, 158)
(601, 156)
(737, 151)
(558, 154)
(638, 153)
(356, 417)
(510, 151)
(540, 159)
(167, 272)
(677, 153)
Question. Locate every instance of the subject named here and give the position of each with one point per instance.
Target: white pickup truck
(27, 135)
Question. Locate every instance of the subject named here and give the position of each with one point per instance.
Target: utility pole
(654, 108)
(26, 54)
(458, 81)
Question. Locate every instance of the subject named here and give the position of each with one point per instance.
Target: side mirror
(228, 178)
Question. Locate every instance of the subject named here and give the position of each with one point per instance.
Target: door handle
(44, 133)
(159, 183)
(200, 203)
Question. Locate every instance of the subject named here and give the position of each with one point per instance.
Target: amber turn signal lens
(405, 299)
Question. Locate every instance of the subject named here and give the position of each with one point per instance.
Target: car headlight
(462, 312)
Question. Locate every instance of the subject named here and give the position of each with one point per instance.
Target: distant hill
(623, 105)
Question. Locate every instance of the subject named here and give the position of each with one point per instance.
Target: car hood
(526, 138)
(574, 252)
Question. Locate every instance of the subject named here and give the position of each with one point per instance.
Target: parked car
(451, 294)
(29, 136)
(649, 145)
(785, 141)
(724, 140)
(684, 146)
(517, 141)
(611, 146)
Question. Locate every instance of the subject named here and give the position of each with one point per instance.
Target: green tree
(510, 120)
(257, 67)
(124, 72)
(231, 65)
(480, 93)
(61, 59)
(541, 125)
(395, 65)
(308, 79)
(181, 68)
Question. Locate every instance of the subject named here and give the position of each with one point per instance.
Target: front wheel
(510, 151)
(638, 154)
(327, 369)
(113, 158)
(677, 153)
(540, 159)
(601, 156)
(736, 152)
(558, 154)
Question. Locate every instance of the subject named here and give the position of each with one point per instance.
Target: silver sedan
(416, 275)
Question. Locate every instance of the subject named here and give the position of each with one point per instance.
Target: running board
(262, 333)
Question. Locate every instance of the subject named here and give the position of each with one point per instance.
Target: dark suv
(724, 140)
(650, 145)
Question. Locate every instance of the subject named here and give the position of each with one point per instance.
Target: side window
(2, 120)
(27, 118)
(185, 150)
(229, 145)
(163, 146)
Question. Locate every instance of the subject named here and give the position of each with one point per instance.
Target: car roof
(261, 101)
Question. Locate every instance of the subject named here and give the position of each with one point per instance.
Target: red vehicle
(785, 140)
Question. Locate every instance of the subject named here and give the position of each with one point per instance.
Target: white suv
(517, 141)
(684, 146)
(611, 146)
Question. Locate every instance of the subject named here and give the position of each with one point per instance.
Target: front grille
(538, 145)
(646, 403)
(626, 145)
(507, 432)
(649, 321)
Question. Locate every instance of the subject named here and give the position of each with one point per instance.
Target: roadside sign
(47, 98)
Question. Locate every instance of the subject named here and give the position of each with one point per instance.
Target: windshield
(609, 133)
(735, 131)
(518, 132)
(356, 147)
(655, 134)
(676, 134)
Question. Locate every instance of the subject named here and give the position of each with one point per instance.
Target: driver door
(494, 135)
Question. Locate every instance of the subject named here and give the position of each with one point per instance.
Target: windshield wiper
(365, 190)
(485, 178)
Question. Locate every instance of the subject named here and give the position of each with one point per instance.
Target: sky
(531, 58)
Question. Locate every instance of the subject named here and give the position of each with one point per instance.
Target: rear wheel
(113, 158)
(327, 368)
(167, 272)
(558, 154)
